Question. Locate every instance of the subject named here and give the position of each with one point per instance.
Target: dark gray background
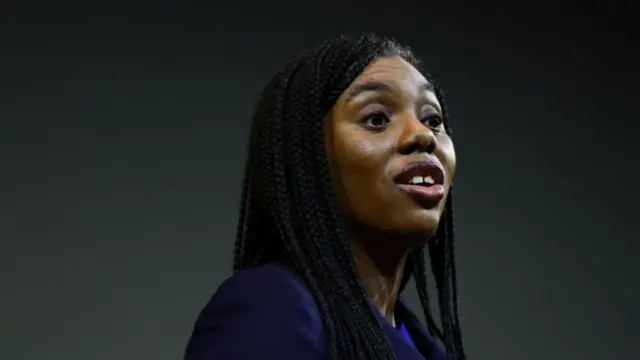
(123, 135)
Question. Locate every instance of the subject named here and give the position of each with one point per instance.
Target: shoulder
(271, 283)
(264, 312)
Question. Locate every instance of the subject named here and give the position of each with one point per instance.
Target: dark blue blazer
(267, 313)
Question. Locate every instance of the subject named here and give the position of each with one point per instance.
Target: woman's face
(391, 160)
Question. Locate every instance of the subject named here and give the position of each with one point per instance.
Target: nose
(416, 137)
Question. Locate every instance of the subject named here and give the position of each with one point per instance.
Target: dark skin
(388, 118)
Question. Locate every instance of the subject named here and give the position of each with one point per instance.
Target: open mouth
(422, 174)
(423, 181)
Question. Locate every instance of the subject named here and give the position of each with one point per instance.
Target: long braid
(418, 271)
(288, 211)
(450, 251)
(325, 223)
(441, 252)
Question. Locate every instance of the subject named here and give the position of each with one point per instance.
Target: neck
(381, 272)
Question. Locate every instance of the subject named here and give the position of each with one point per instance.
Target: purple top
(268, 313)
(405, 334)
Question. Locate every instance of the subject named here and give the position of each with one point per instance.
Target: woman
(348, 178)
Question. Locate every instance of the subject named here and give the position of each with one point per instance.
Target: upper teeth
(422, 180)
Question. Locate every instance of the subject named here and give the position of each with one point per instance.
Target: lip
(426, 195)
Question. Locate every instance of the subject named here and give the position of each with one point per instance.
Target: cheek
(362, 161)
(447, 157)
(359, 151)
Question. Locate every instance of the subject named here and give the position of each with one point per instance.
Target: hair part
(290, 215)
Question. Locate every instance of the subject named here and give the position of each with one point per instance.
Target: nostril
(407, 149)
(430, 148)
(418, 146)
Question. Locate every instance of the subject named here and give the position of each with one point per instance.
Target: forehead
(391, 66)
(396, 74)
(395, 69)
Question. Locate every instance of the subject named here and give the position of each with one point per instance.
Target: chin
(416, 225)
(425, 221)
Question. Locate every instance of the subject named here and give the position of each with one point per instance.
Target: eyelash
(438, 118)
(425, 121)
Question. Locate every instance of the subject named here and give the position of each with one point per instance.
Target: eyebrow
(376, 86)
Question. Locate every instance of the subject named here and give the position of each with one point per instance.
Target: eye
(376, 122)
(435, 122)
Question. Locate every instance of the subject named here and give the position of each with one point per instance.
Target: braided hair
(288, 212)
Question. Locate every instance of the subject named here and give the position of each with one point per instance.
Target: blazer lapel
(428, 347)
(403, 349)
